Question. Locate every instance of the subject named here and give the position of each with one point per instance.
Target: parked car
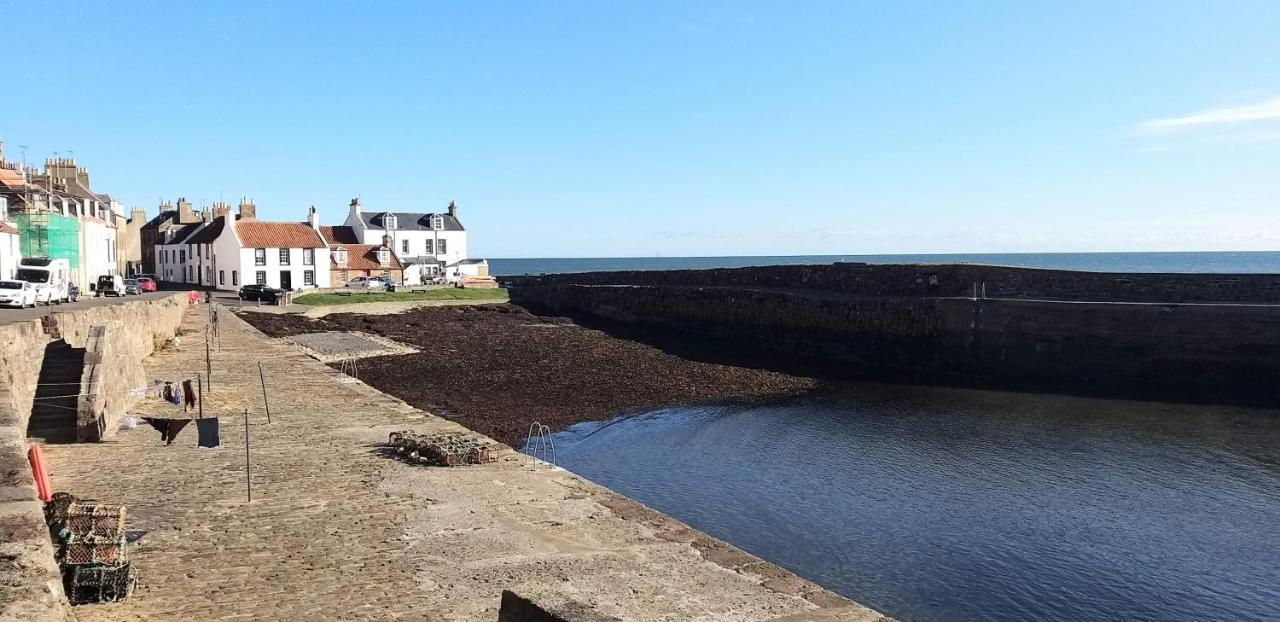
(110, 285)
(18, 294)
(147, 283)
(367, 282)
(260, 293)
(132, 287)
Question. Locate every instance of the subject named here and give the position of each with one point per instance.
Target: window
(284, 256)
(259, 256)
(389, 221)
(440, 247)
(198, 251)
(308, 277)
(208, 275)
(340, 256)
(429, 247)
(384, 257)
(404, 246)
(235, 278)
(262, 277)
(222, 277)
(182, 256)
(308, 256)
(437, 222)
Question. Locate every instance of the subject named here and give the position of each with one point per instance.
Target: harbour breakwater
(1212, 338)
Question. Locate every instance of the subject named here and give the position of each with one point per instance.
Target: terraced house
(226, 251)
(428, 244)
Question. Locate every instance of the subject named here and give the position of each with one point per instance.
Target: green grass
(447, 293)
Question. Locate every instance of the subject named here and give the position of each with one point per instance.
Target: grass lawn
(446, 293)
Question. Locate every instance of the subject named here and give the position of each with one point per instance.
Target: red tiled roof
(11, 178)
(363, 257)
(7, 228)
(339, 234)
(262, 234)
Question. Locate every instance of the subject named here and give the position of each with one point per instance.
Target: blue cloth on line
(207, 428)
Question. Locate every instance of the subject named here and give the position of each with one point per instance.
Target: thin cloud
(1262, 111)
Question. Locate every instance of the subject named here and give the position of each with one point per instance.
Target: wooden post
(200, 394)
(248, 479)
(208, 362)
(266, 404)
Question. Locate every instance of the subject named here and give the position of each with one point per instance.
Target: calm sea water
(1244, 262)
(935, 504)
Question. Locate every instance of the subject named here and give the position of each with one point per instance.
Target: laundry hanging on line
(188, 395)
(168, 428)
(207, 428)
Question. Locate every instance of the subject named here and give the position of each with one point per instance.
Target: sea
(939, 504)
(1244, 262)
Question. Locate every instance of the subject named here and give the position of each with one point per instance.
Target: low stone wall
(1217, 353)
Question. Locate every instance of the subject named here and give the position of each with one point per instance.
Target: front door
(286, 280)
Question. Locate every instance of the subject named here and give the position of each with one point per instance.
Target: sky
(579, 129)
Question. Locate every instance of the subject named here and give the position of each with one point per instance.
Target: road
(8, 315)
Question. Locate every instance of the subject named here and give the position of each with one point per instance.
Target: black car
(261, 293)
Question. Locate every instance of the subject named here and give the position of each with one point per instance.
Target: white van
(51, 278)
(110, 285)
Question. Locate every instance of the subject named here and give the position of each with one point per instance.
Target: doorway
(286, 280)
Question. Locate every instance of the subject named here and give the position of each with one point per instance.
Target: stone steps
(53, 412)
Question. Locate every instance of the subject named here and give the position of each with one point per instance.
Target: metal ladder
(539, 444)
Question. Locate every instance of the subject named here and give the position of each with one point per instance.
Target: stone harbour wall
(948, 280)
(117, 338)
(1042, 339)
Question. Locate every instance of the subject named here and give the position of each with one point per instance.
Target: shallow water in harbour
(949, 504)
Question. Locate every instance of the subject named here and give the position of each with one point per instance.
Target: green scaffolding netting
(46, 234)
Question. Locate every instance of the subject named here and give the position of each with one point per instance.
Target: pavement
(8, 315)
(340, 529)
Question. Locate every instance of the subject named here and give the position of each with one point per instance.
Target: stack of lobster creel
(443, 448)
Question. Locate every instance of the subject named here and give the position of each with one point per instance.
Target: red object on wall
(40, 470)
(193, 297)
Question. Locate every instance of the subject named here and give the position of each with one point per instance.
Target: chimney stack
(248, 211)
(138, 214)
(186, 214)
(204, 214)
(221, 209)
(453, 209)
(165, 206)
(313, 219)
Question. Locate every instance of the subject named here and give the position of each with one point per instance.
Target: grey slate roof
(410, 221)
(181, 232)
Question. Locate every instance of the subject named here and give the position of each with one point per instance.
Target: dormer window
(340, 256)
(384, 256)
(389, 221)
(437, 222)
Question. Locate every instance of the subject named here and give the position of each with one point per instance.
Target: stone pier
(339, 529)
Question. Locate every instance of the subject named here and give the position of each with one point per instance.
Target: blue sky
(681, 128)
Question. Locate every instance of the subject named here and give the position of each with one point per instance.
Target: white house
(10, 250)
(228, 251)
(427, 244)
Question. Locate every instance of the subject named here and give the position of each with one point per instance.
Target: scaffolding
(42, 233)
